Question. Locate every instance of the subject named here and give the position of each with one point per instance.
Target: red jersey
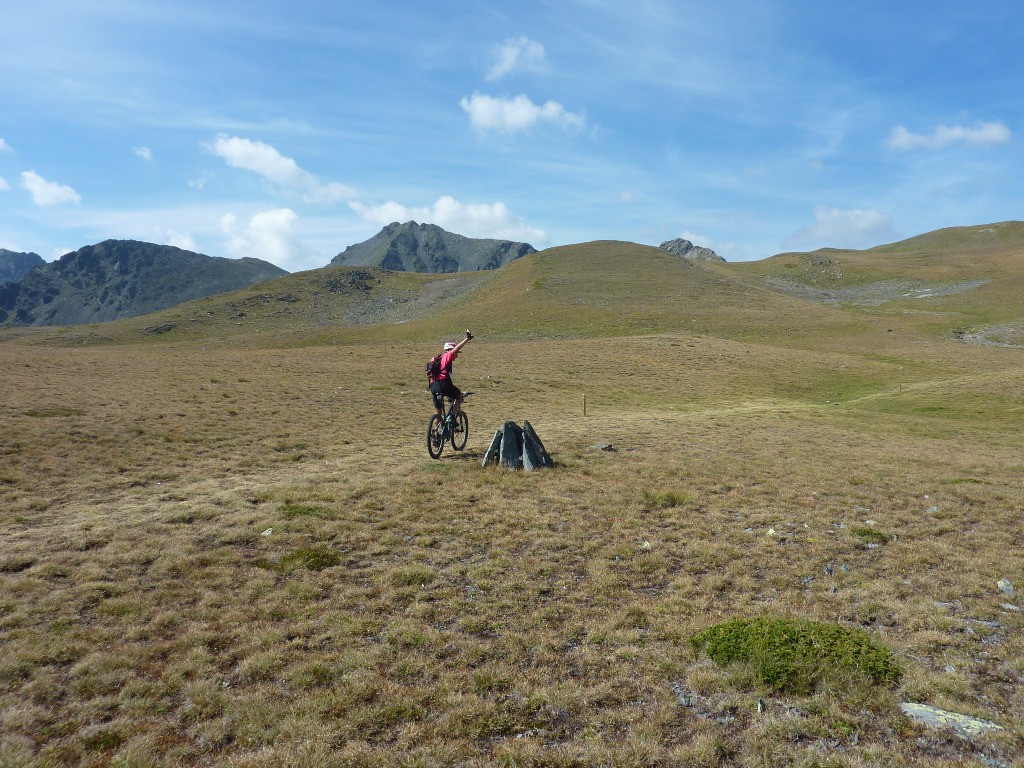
(445, 374)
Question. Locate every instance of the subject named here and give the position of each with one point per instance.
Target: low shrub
(794, 655)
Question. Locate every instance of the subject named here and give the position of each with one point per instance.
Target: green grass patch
(292, 509)
(311, 558)
(795, 655)
(666, 499)
(16, 564)
(414, 575)
(870, 535)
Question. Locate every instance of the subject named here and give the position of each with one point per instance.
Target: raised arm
(461, 344)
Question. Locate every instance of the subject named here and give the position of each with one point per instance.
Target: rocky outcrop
(15, 265)
(687, 250)
(413, 247)
(515, 447)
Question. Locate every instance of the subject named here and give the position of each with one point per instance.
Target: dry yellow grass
(224, 544)
(164, 509)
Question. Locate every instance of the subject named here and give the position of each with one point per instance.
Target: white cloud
(181, 240)
(5, 147)
(835, 228)
(267, 162)
(269, 235)
(697, 239)
(519, 53)
(727, 250)
(144, 153)
(489, 113)
(201, 182)
(48, 192)
(473, 220)
(4, 186)
(332, 192)
(262, 159)
(981, 135)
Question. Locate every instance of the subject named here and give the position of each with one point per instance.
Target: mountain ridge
(118, 279)
(964, 282)
(15, 265)
(412, 247)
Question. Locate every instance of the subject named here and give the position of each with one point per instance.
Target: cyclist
(441, 385)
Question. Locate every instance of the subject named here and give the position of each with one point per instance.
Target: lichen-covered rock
(964, 726)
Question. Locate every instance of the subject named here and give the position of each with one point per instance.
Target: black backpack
(433, 368)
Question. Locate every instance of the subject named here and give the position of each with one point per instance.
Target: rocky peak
(687, 250)
(15, 265)
(413, 247)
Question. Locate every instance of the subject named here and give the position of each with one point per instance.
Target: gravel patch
(1010, 335)
(414, 305)
(872, 294)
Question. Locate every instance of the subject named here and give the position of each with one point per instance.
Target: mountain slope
(966, 279)
(14, 265)
(413, 247)
(612, 288)
(606, 288)
(122, 278)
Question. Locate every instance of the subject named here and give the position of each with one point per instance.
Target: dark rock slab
(493, 450)
(511, 454)
(535, 456)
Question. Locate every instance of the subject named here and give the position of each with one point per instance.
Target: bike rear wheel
(435, 437)
(460, 431)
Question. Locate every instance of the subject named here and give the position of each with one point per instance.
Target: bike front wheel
(435, 437)
(460, 431)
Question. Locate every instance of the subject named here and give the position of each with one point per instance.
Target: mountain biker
(442, 385)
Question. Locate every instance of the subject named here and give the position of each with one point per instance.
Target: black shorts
(444, 388)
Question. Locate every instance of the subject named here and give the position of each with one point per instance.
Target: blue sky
(290, 130)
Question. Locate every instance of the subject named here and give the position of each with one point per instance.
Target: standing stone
(511, 454)
(494, 450)
(530, 459)
(533, 445)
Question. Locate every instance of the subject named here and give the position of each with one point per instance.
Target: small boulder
(964, 726)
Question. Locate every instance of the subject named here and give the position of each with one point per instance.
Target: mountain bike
(453, 428)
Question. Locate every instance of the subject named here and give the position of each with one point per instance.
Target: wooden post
(584, 404)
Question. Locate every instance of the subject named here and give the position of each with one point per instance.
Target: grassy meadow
(222, 541)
